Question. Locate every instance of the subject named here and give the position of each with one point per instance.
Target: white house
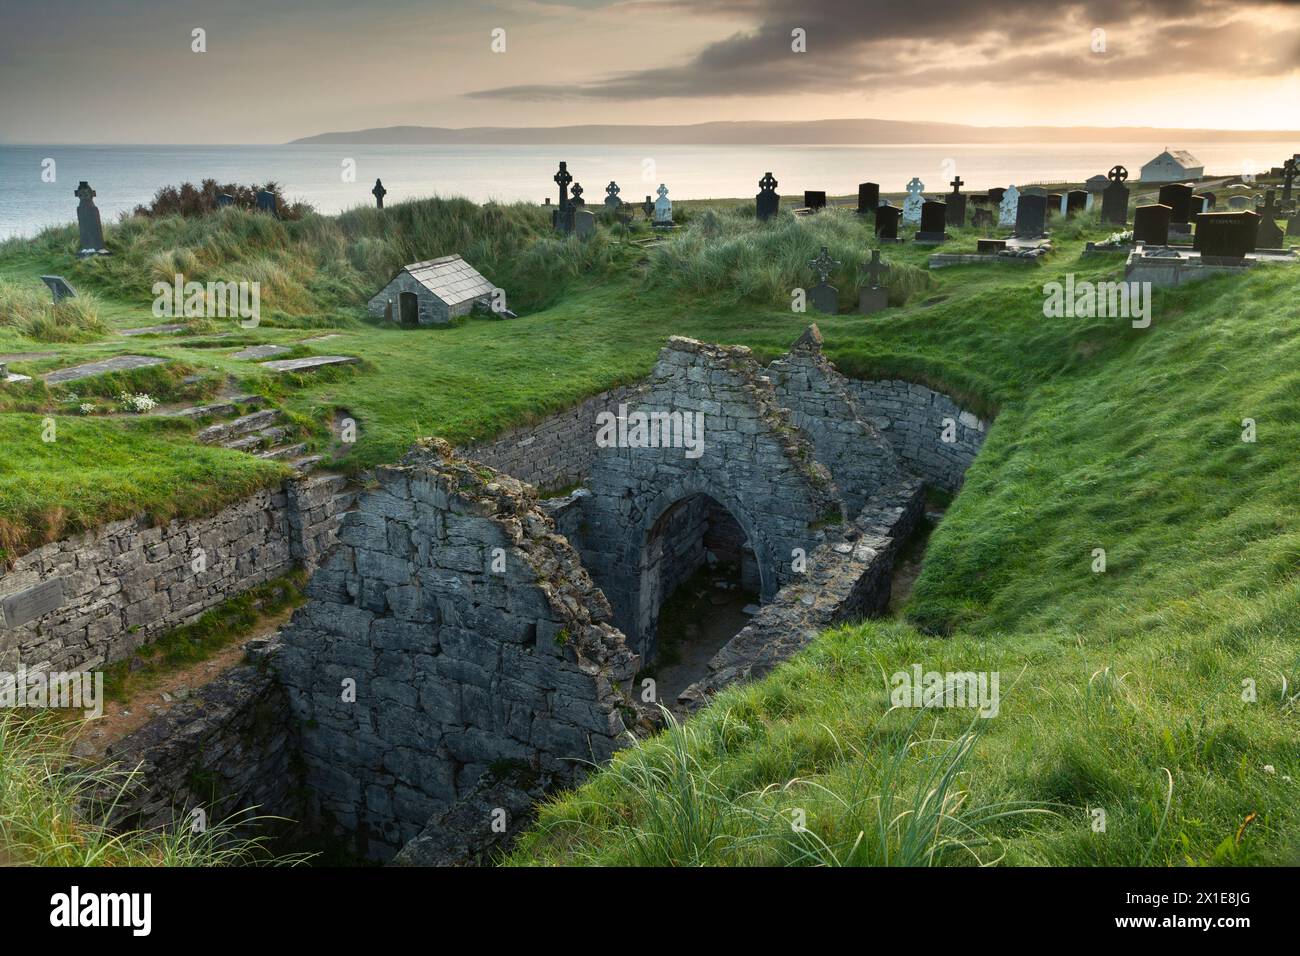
(1172, 166)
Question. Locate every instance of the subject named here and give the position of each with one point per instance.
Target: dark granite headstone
(1269, 236)
(872, 297)
(1031, 216)
(1114, 200)
(1055, 203)
(814, 199)
(266, 202)
(60, 287)
(90, 227)
(224, 200)
(1151, 224)
(31, 603)
(868, 198)
(1076, 201)
(824, 297)
(1200, 204)
(379, 192)
(956, 202)
(1226, 235)
(995, 195)
(934, 219)
(767, 203)
(1178, 197)
(887, 220)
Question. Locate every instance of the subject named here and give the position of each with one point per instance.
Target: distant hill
(812, 132)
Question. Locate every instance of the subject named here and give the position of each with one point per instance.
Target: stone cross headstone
(648, 207)
(1151, 224)
(90, 227)
(663, 209)
(887, 219)
(824, 297)
(1076, 201)
(1009, 206)
(934, 219)
(956, 203)
(266, 202)
(379, 192)
(612, 202)
(814, 199)
(1225, 235)
(1289, 169)
(767, 203)
(1031, 216)
(1269, 236)
(224, 200)
(562, 217)
(872, 297)
(1114, 200)
(575, 195)
(60, 287)
(912, 204)
(868, 198)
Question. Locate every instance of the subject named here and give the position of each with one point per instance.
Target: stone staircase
(262, 432)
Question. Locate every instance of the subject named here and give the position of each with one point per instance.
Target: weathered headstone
(562, 217)
(956, 203)
(60, 287)
(584, 222)
(1009, 206)
(1114, 201)
(1239, 202)
(1226, 235)
(912, 204)
(887, 219)
(224, 200)
(934, 219)
(266, 202)
(1151, 224)
(767, 203)
(648, 207)
(1270, 236)
(982, 218)
(1055, 203)
(1289, 171)
(575, 196)
(1293, 225)
(1076, 201)
(379, 192)
(872, 297)
(1031, 216)
(868, 198)
(824, 297)
(814, 199)
(612, 202)
(663, 209)
(89, 224)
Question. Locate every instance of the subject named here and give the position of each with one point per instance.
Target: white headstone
(663, 207)
(912, 204)
(1010, 205)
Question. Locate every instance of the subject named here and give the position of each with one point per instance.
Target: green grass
(1127, 685)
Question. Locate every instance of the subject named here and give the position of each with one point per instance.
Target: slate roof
(451, 279)
(1182, 157)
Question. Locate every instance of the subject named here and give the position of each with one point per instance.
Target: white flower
(87, 407)
(1268, 768)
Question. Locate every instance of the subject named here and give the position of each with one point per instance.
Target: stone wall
(94, 598)
(449, 632)
(226, 750)
(912, 419)
(556, 452)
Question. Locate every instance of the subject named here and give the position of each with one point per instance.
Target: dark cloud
(852, 43)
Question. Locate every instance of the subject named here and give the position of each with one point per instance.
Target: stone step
(306, 464)
(248, 443)
(283, 451)
(245, 424)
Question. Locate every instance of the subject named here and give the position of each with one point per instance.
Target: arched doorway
(698, 575)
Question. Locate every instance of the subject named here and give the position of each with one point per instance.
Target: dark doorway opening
(700, 585)
(409, 307)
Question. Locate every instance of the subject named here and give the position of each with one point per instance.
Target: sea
(37, 182)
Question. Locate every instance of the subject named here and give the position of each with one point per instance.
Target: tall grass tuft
(33, 314)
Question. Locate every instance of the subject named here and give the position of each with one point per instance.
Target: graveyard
(1101, 433)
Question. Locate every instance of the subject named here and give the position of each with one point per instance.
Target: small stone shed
(432, 292)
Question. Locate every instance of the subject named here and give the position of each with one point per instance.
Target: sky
(127, 71)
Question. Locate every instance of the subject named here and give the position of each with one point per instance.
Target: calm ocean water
(124, 176)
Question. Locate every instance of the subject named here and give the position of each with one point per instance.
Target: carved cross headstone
(663, 209)
(562, 179)
(90, 227)
(648, 207)
(956, 201)
(824, 297)
(612, 202)
(1270, 236)
(379, 192)
(872, 298)
(1289, 169)
(1114, 200)
(912, 204)
(767, 203)
(575, 196)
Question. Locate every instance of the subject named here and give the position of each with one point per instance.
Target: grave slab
(118, 363)
(154, 330)
(306, 364)
(254, 352)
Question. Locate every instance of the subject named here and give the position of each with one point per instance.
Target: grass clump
(36, 316)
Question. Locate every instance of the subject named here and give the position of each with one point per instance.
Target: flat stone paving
(303, 364)
(154, 330)
(260, 351)
(118, 363)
